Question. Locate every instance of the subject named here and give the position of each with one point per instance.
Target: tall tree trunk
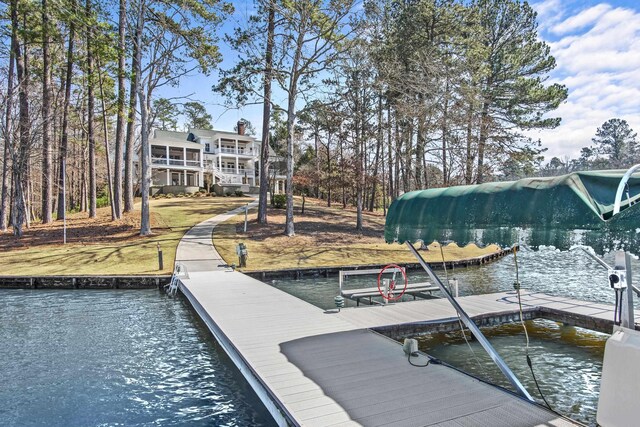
(468, 176)
(444, 130)
(90, 118)
(343, 175)
(384, 180)
(47, 177)
(64, 143)
(20, 156)
(291, 117)
(329, 169)
(8, 137)
(359, 137)
(145, 160)
(420, 144)
(116, 197)
(266, 116)
(129, 142)
(316, 140)
(106, 145)
(145, 150)
(396, 158)
(390, 152)
(376, 163)
(408, 135)
(482, 141)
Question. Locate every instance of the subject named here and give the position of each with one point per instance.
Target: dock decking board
(320, 368)
(326, 368)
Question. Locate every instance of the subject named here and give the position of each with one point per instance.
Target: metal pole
(608, 267)
(623, 262)
(473, 328)
(160, 260)
(621, 187)
(630, 289)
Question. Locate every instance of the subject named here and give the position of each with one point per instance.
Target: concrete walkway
(196, 251)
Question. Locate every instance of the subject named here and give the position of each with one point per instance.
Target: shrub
(239, 193)
(279, 201)
(180, 195)
(228, 193)
(102, 201)
(170, 196)
(202, 190)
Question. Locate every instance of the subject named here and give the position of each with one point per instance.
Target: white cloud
(597, 51)
(581, 20)
(549, 13)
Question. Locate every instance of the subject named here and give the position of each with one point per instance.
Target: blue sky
(597, 49)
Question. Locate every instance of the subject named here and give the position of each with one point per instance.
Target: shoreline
(157, 281)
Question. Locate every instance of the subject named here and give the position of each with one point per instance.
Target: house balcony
(232, 151)
(240, 172)
(161, 161)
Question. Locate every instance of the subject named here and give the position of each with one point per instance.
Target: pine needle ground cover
(325, 237)
(100, 246)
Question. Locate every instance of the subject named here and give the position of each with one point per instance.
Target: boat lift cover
(563, 211)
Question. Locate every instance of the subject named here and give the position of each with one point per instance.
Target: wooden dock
(312, 367)
(321, 368)
(414, 316)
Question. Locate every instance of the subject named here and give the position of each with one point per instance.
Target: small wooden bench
(423, 290)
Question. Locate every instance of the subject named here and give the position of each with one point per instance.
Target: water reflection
(568, 273)
(567, 362)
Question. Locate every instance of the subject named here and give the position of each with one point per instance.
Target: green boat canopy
(564, 211)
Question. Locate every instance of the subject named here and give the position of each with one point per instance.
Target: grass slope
(103, 247)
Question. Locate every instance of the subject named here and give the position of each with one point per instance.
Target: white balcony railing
(232, 171)
(175, 162)
(239, 151)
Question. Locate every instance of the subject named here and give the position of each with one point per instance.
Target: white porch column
(184, 156)
(237, 163)
(236, 146)
(184, 177)
(166, 160)
(168, 177)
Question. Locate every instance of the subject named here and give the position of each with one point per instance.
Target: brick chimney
(241, 127)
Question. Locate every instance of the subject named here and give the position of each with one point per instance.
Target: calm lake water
(115, 358)
(572, 274)
(567, 361)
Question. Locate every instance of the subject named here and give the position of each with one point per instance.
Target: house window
(207, 147)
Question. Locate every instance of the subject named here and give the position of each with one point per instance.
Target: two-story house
(187, 161)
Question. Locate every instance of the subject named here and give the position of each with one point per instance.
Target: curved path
(196, 251)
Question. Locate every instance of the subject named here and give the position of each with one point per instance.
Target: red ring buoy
(393, 286)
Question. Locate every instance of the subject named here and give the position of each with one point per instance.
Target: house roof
(206, 133)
